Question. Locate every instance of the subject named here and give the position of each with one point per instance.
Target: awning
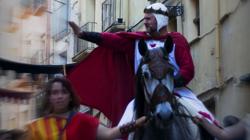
(15, 94)
(34, 69)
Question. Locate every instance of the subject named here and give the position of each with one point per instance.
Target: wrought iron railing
(81, 45)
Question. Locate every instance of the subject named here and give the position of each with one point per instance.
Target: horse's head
(154, 97)
(155, 77)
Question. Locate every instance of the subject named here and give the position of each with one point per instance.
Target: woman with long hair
(62, 121)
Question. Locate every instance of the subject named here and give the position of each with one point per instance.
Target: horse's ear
(168, 45)
(143, 49)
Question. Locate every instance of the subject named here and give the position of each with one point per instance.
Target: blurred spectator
(231, 120)
(14, 134)
(62, 121)
(236, 131)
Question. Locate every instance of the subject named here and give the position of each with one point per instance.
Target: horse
(168, 118)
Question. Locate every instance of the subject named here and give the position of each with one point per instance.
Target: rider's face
(150, 23)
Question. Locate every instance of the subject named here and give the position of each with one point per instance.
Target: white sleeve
(128, 115)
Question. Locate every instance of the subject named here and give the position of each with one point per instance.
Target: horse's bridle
(156, 77)
(157, 98)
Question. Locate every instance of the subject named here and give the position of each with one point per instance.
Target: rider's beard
(150, 29)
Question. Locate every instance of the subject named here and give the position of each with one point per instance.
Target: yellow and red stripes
(47, 128)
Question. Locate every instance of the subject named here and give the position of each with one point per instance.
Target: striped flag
(48, 128)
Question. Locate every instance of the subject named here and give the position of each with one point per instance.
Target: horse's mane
(139, 104)
(139, 96)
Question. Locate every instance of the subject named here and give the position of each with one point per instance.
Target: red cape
(105, 79)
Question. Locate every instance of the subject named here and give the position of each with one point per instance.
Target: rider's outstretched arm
(111, 40)
(93, 37)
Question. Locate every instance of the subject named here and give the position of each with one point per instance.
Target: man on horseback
(127, 59)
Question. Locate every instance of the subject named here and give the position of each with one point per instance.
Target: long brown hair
(74, 104)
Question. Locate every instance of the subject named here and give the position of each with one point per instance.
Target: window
(190, 21)
(196, 20)
(59, 18)
(108, 13)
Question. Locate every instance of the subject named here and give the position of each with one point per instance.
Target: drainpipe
(182, 20)
(218, 48)
(48, 35)
(128, 12)
(120, 16)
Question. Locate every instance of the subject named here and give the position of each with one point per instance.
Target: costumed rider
(113, 64)
(180, 58)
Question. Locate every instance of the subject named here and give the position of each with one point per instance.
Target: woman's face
(59, 98)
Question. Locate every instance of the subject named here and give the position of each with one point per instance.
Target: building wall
(22, 40)
(204, 60)
(98, 15)
(188, 27)
(232, 59)
(16, 109)
(233, 100)
(235, 59)
(135, 11)
(208, 11)
(235, 42)
(26, 39)
(15, 113)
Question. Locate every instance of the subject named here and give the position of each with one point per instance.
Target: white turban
(160, 11)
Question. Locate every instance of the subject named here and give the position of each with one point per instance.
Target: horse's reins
(152, 101)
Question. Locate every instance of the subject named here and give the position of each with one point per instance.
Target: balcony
(82, 47)
(111, 18)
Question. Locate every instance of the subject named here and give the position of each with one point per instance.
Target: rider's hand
(132, 126)
(76, 29)
(197, 120)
